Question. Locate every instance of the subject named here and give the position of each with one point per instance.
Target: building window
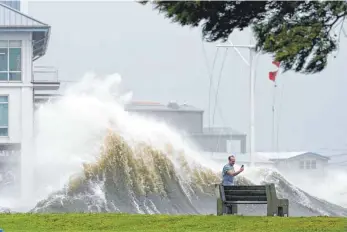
(10, 60)
(3, 115)
(308, 164)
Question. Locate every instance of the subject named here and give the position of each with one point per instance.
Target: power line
(219, 79)
(210, 73)
(211, 87)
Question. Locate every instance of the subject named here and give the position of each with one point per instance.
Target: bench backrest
(244, 194)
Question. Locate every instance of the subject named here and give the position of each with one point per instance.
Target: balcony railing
(45, 74)
(45, 78)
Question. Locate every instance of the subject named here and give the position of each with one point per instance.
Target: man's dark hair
(229, 158)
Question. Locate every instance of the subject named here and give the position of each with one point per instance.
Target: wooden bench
(231, 196)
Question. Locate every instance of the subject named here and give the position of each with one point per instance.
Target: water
(92, 156)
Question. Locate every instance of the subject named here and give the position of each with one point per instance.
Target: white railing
(45, 74)
(221, 130)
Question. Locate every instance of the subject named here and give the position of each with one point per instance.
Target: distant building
(307, 162)
(189, 120)
(298, 163)
(184, 117)
(215, 139)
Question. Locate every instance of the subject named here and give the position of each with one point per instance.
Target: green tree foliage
(299, 34)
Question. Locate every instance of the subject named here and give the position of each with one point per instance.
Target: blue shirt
(227, 179)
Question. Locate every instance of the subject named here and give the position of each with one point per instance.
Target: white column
(27, 63)
(252, 109)
(27, 145)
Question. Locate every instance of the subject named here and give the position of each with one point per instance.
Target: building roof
(290, 155)
(156, 106)
(15, 4)
(12, 20)
(280, 155)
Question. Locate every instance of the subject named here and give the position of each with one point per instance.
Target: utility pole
(252, 52)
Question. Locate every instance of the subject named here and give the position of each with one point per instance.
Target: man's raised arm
(233, 173)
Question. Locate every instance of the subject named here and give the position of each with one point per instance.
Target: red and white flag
(273, 74)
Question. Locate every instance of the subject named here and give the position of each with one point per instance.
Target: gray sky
(161, 61)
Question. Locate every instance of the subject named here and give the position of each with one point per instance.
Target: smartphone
(242, 166)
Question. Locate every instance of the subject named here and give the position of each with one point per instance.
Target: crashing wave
(140, 179)
(134, 179)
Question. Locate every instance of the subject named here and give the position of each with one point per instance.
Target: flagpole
(273, 118)
(273, 77)
(251, 49)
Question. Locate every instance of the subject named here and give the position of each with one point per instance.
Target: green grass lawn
(125, 222)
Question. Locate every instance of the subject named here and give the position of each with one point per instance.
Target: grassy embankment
(125, 223)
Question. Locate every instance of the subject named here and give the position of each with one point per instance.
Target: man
(229, 173)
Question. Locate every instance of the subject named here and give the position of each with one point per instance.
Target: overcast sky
(161, 61)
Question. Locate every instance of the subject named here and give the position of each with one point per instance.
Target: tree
(299, 34)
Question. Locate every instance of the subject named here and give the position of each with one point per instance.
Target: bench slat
(245, 193)
(245, 198)
(246, 202)
(249, 188)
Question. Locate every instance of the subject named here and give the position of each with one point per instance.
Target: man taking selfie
(229, 172)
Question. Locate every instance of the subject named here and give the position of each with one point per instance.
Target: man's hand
(233, 173)
(241, 169)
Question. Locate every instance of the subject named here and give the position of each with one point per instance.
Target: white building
(23, 40)
(188, 120)
(308, 163)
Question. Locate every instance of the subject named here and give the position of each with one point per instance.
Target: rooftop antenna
(252, 52)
